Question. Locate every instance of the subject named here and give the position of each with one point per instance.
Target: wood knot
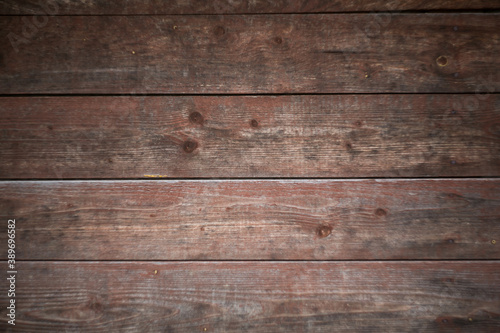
(219, 31)
(494, 129)
(324, 231)
(95, 306)
(190, 146)
(196, 118)
(380, 212)
(254, 123)
(442, 61)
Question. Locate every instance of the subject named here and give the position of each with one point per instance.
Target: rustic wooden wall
(251, 166)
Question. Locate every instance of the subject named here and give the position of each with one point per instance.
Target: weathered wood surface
(234, 220)
(359, 53)
(257, 297)
(156, 7)
(238, 136)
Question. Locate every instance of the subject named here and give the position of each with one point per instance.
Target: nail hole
(190, 146)
(50, 127)
(444, 321)
(278, 40)
(453, 162)
(455, 74)
(380, 212)
(348, 146)
(196, 118)
(254, 123)
(493, 242)
(442, 61)
(451, 241)
(455, 28)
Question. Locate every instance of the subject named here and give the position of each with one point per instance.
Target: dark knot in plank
(190, 146)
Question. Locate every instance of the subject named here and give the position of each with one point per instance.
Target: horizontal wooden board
(256, 297)
(246, 136)
(156, 7)
(270, 219)
(327, 53)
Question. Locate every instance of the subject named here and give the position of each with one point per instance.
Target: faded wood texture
(360, 53)
(155, 7)
(239, 136)
(234, 220)
(257, 297)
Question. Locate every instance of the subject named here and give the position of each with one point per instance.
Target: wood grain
(256, 54)
(254, 220)
(257, 297)
(247, 136)
(156, 7)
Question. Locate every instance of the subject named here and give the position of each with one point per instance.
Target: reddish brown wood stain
(281, 166)
(259, 296)
(245, 136)
(241, 54)
(255, 220)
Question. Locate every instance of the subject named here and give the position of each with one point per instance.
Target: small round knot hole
(324, 231)
(190, 146)
(196, 118)
(442, 61)
(219, 31)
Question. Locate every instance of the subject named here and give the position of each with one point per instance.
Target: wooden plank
(266, 219)
(155, 7)
(256, 297)
(360, 53)
(244, 136)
